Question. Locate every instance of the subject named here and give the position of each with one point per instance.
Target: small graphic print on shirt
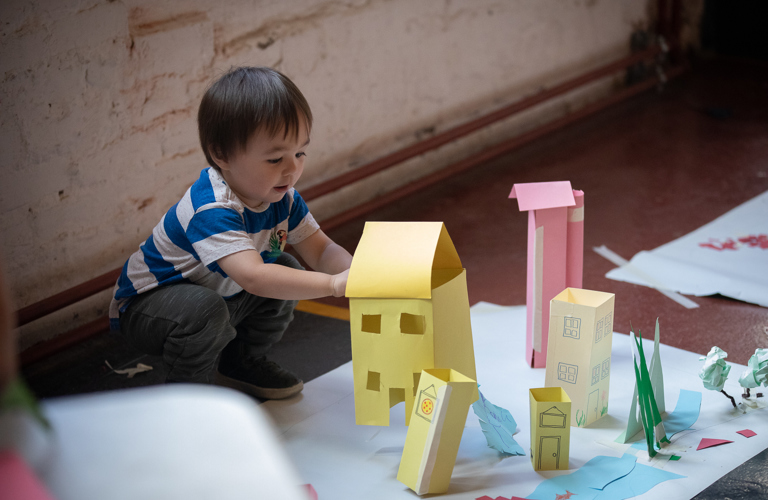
(276, 245)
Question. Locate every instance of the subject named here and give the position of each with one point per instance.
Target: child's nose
(291, 165)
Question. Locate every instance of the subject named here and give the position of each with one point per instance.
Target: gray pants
(189, 325)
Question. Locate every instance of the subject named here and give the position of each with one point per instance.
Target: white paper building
(579, 351)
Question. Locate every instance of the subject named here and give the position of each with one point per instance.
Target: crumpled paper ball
(714, 373)
(757, 370)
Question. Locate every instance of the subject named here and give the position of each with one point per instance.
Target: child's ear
(220, 162)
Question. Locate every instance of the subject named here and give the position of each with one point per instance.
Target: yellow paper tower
(409, 311)
(550, 432)
(439, 414)
(579, 350)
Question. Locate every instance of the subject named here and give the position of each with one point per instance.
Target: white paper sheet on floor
(179, 441)
(346, 461)
(728, 256)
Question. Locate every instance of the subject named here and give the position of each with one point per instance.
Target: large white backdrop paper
(346, 461)
(728, 256)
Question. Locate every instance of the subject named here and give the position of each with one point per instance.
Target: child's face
(267, 168)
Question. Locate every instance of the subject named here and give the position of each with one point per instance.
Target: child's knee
(205, 309)
(288, 260)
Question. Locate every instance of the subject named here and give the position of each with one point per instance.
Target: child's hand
(339, 282)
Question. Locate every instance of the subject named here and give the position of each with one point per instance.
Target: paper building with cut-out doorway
(437, 423)
(555, 254)
(409, 311)
(550, 430)
(579, 351)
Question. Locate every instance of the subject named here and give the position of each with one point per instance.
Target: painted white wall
(99, 98)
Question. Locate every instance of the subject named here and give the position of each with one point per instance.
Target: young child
(212, 282)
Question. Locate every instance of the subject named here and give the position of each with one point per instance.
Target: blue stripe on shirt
(175, 232)
(299, 210)
(163, 271)
(214, 267)
(125, 286)
(212, 222)
(256, 222)
(201, 192)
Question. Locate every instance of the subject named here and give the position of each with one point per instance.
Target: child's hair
(246, 100)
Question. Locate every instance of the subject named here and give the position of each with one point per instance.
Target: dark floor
(312, 345)
(653, 168)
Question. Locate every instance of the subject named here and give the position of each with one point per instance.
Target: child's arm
(322, 254)
(280, 282)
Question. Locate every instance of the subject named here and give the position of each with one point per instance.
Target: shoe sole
(259, 392)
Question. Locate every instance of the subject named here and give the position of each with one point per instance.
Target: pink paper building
(555, 254)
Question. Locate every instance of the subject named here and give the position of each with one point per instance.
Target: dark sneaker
(258, 377)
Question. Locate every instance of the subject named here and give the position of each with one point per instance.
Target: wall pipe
(107, 280)
(493, 152)
(450, 135)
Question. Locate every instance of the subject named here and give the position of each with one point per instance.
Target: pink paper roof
(541, 195)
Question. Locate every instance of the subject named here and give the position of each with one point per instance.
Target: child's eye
(275, 161)
(299, 155)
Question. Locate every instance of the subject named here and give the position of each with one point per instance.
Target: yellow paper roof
(396, 259)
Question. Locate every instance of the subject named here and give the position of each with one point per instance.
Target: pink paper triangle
(747, 433)
(708, 443)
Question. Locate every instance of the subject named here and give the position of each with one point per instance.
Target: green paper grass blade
(17, 396)
(642, 392)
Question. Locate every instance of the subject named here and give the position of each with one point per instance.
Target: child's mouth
(282, 189)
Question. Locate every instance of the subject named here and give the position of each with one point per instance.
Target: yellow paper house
(437, 423)
(409, 311)
(579, 350)
(550, 429)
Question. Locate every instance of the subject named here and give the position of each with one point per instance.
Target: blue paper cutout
(498, 426)
(686, 412)
(604, 478)
(685, 415)
(641, 479)
(589, 480)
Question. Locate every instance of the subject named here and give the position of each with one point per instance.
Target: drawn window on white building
(572, 328)
(567, 373)
(599, 331)
(606, 368)
(609, 323)
(596, 374)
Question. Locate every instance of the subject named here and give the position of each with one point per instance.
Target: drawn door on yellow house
(549, 452)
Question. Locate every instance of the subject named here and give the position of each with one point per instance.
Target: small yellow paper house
(579, 350)
(409, 311)
(550, 429)
(442, 402)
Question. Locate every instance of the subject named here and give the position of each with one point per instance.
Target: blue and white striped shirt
(208, 223)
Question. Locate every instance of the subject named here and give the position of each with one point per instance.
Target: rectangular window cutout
(371, 323)
(412, 324)
(416, 378)
(374, 381)
(396, 396)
